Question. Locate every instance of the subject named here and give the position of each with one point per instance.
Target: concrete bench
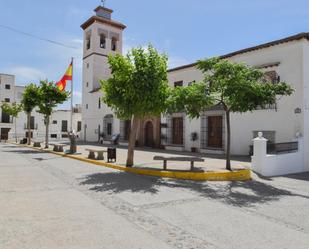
(99, 152)
(37, 144)
(178, 159)
(58, 147)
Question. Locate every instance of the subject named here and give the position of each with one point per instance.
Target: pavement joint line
(238, 175)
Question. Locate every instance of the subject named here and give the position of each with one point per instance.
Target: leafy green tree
(137, 88)
(29, 101)
(49, 97)
(233, 86)
(13, 110)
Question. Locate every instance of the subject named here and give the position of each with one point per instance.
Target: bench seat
(93, 151)
(178, 159)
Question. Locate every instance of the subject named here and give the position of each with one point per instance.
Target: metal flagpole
(72, 96)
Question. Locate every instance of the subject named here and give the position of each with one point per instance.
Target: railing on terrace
(279, 148)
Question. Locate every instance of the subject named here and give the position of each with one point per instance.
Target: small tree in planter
(194, 137)
(49, 97)
(234, 86)
(12, 110)
(29, 101)
(138, 88)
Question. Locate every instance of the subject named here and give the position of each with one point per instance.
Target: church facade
(282, 60)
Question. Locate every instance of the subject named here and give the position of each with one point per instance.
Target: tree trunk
(132, 140)
(29, 128)
(15, 129)
(46, 132)
(228, 143)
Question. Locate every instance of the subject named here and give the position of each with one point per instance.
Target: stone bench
(37, 144)
(58, 147)
(178, 159)
(92, 152)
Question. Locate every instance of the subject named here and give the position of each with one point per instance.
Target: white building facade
(60, 122)
(282, 60)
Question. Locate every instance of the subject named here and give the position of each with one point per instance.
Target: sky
(185, 30)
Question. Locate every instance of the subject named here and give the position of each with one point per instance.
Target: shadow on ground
(242, 194)
(25, 151)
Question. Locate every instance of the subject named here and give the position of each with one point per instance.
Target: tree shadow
(25, 151)
(117, 182)
(239, 194)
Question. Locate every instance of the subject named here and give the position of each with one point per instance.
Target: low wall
(274, 165)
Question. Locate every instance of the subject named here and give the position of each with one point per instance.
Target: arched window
(102, 41)
(114, 44)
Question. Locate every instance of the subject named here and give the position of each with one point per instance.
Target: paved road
(49, 202)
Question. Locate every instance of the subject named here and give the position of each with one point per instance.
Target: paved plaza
(50, 202)
(144, 158)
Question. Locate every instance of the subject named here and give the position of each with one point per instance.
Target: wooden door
(149, 134)
(5, 133)
(177, 130)
(215, 131)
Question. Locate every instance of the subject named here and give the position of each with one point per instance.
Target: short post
(259, 153)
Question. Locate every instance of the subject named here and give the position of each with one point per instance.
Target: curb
(238, 175)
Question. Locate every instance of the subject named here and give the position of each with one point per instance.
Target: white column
(259, 153)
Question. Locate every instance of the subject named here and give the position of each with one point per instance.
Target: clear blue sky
(186, 30)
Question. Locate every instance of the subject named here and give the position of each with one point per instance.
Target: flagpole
(72, 96)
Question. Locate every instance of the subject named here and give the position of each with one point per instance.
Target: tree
(137, 88)
(13, 110)
(233, 86)
(29, 101)
(49, 97)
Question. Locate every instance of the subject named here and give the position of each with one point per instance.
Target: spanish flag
(67, 76)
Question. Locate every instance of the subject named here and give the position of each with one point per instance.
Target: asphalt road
(50, 202)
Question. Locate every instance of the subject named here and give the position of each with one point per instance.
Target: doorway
(177, 125)
(5, 133)
(149, 142)
(215, 131)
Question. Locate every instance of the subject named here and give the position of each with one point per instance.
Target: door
(177, 131)
(215, 131)
(5, 133)
(149, 134)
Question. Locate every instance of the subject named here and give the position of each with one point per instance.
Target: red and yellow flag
(67, 76)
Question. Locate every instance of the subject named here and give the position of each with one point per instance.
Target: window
(32, 123)
(99, 103)
(102, 41)
(79, 126)
(88, 42)
(7, 100)
(64, 136)
(53, 135)
(109, 129)
(178, 83)
(64, 126)
(5, 118)
(87, 65)
(114, 44)
(7, 86)
(86, 106)
(87, 84)
(55, 122)
(271, 76)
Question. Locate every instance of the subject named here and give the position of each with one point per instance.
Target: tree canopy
(235, 87)
(138, 85)
(12, 109)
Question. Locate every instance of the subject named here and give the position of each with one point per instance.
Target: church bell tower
(102, 36)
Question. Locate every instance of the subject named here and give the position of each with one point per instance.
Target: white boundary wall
(275, 165)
